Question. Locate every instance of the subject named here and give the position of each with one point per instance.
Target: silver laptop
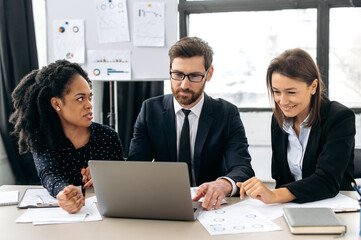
(154, 190)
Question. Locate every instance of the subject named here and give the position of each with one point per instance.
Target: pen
(47, 205)
(356, 188)
(345, 210)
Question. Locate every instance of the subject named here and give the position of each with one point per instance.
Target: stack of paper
(39, 216)
(9, 198)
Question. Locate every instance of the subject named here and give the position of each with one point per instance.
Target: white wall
(258, 125)
(358, 131)
(98, 101)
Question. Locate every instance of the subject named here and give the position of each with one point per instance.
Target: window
(39, 12)
(243, 52)
(247, 35)
(345, 56)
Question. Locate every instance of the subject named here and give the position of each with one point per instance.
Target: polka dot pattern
(57, 168)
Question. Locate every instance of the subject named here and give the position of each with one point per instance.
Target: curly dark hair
(36, 123)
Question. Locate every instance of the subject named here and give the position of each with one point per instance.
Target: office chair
(357, 163)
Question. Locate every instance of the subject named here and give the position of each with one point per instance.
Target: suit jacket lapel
(169, 127)
(283, 145)
(310, 157)
(204, 124)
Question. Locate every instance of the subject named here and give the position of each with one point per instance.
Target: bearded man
(190, 126)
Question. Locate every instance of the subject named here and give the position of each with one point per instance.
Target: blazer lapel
(309, 159)
(283, 145)
(204, 124)
(169, 127)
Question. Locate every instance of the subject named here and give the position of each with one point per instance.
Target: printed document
(41, 216)
(235, 219)
(339, 203)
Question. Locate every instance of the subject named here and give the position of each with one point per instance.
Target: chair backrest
(357, 163)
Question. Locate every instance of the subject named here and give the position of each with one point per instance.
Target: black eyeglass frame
(187, 75)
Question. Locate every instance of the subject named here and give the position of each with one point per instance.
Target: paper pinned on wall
(108, 65)
(112, 21)
(69, 40)
(149, 24)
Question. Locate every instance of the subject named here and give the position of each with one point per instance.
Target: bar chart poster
(109, 65)
(69, 40)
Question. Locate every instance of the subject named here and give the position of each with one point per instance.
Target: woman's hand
(255, 188)
(87, 179)
(71, 199)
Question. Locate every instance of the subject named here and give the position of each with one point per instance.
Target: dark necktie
(185, 145)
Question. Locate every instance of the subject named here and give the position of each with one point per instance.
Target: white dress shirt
(193, 118)
(296, 147)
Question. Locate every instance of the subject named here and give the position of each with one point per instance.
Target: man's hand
(87, 179)
(71, 199)
(213, 193)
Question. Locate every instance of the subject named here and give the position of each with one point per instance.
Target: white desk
(138, 229)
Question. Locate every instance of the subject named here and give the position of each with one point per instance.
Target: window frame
(185, 8)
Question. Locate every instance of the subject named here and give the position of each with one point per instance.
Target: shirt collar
(288, 123)
(196, 109)
(307, 120)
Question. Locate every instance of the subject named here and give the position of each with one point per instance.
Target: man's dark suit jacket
(221, 147)
(328, 161)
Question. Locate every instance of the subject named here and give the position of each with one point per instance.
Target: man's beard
(187, 100)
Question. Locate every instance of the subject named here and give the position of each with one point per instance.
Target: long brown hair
(298, 65)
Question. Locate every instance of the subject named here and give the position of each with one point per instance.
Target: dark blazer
(328, 161)
(221, 147)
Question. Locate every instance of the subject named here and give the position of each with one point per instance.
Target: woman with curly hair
(53, 119)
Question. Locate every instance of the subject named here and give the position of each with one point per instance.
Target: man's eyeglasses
(193, 77)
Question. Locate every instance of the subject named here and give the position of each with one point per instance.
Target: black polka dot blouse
(61, 167)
